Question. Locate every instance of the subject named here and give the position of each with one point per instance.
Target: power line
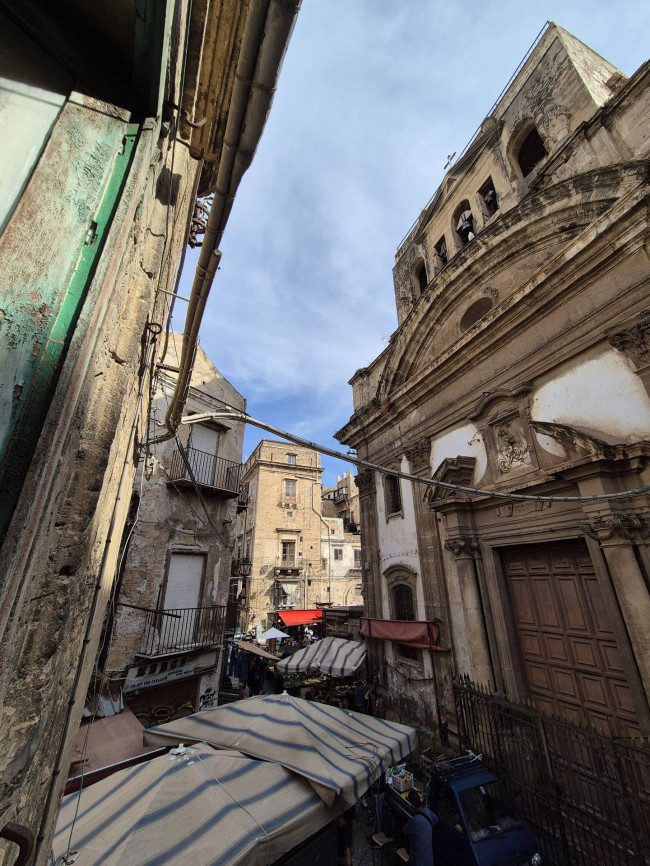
(238, 415)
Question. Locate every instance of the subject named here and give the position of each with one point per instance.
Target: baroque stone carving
(462, 545)
(634, 342)
(365, 482)
(608, 526)
(420, 452)
(513, 450)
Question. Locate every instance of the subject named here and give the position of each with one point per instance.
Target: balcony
(288, 565)
(181, 630)
(341, 496)
(210, 472)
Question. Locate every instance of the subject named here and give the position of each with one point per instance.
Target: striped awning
(332, 656)
(339, 752)
(202, 807)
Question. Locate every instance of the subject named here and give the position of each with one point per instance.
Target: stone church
(520, 366)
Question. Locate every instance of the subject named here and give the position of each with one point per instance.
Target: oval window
(472, 314)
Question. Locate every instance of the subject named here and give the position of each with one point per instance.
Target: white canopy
(202, 807)
(339, 752)
(273, 634)
(333, 656)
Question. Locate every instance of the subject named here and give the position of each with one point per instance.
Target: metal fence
(183, 629)
(586, 794)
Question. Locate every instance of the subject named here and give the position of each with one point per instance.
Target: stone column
(615, 533)
(475, 639)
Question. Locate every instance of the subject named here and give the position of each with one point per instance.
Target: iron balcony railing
(206, 469)
(176, 630)
(341, 496)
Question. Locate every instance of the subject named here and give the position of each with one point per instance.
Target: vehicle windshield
(489, 811)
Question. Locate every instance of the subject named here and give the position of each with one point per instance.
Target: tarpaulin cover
(300, 617)
(203, 807)
(332, 656)
(412, 633)
(256, 650)
(338, 751)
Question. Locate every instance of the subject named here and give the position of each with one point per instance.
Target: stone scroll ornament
(512, 446)
(634, 342)
(615, 525)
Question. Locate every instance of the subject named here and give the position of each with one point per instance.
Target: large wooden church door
(567, 645)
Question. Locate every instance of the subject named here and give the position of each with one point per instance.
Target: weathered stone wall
(534, 391)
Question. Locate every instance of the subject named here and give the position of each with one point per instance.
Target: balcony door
(182, 595)
(201, 454)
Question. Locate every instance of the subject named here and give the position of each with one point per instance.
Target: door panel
(566, 640)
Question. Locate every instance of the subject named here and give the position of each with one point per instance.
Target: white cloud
(372, 98)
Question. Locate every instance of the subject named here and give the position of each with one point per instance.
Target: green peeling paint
(40, 388)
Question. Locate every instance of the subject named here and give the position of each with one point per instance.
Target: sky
(372, 98)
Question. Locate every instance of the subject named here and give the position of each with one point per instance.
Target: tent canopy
(273, 634)
(333, 656)
(256, 650)
(202, 807)
(339, 752)
(300, 617)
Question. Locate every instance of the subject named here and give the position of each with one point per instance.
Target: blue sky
(372, 97)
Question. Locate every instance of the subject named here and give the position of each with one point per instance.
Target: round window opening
(478, 309)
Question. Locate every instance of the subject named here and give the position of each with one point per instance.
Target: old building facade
(167, 623)
(520, 366)
(128, 127)
(298, 558)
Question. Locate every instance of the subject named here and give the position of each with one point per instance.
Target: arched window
(403, 602)
(475, 312)
(421, 279)
(531, 152)
(463, 223)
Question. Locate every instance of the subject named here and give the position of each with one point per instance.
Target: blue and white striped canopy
(333, 656)
(339, 752)
(202, 807)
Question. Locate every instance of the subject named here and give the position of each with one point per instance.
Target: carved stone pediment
(503, 420)
(576, 442)
(457, 470)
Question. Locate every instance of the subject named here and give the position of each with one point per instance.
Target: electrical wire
(237, 414)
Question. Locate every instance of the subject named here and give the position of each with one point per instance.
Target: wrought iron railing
(206, 469)
(585, 793)
(341, 496)
(181, 629)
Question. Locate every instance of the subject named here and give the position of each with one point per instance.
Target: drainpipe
(268, 28)
(329, 543)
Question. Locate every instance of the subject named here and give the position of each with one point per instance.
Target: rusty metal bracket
(21, 836)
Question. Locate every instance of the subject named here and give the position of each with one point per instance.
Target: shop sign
(145, 676)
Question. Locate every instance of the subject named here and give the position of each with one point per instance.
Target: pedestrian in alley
(419, 831)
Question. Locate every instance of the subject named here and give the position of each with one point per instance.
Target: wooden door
(567, 646)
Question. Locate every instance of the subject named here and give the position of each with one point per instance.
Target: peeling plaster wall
(598, 390)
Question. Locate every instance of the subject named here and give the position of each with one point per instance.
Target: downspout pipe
(268, 28)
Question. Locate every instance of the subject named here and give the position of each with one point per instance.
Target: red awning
(412, 633)
(300, 617)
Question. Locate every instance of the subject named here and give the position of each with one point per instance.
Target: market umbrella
(339, 752)
(273, 634)
(200, 807)
(333, 656)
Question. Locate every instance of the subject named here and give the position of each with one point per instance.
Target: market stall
(340, 753)
(199, 806)
(332, 656)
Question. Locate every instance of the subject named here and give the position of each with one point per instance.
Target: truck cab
(478, 822)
